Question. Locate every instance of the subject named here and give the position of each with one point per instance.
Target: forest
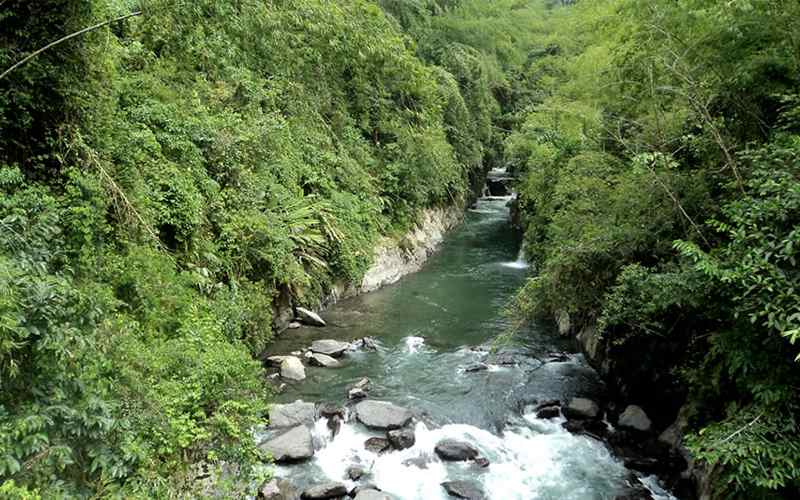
(164, 178)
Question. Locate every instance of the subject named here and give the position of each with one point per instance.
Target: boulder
(401, 438)
(592, 428)
(276, 360)
(329, 347)
(635, 418)
(323, 360)
(293, 325)
(455, 451)
(356, 393)
(323, 491)
(277, 489)
(292, 414)
(292, 369)
(482, 462)
(382, 415)
(464, 489)
(582, 408)
(309, 317)
(368, 344)
(377, 445)
(355, 472)
(548, 412)
(334, 425)
(370, 493)
(328, 410)
(293, 445)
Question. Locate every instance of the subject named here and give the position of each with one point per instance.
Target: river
(430, 327)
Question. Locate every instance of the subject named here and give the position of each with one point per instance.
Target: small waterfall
(521, 262)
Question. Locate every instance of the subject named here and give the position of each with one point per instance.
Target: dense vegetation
(660, 165)
(163, 178)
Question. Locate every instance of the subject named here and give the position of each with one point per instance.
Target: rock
(276, 360)
(548, 412)
(323, 360)
(277, 489)
(292, 369)
(420, 462)
(362, 383)
(356, 393)
(293, 325)
(328, 410)
(323, 491)
(644, 464)
(334, 425)
(293, 445)
(482, 462)
(497, 187)
(455, 451)
(329, 347)
(477, 367)
(382, 415)
(292, 414)
(401, 438)
(377, 445)
(309, 317)
(592, 428)
(635, 418)
(308, 355)
(547, 402)
(355, 472)
(371, 494)
(464, 489)
(505, 359)
(369, 344)
(582, 408)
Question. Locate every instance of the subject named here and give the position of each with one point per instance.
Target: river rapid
(432, 328)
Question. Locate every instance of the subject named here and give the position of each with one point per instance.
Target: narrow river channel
(433, 329)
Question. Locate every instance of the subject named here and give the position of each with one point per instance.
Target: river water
(430, 327)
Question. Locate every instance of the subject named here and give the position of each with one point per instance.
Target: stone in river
(401, 438)
(309, 317)
(455, 451)
(324, 491)
(382, 415)
(329, 347)
(370, 494)
(292, 369)
(582, 408)
(292, 414)
(293, 445)
(464, 489)
(355, 472)
(356, 393)
(548, 412)
(377, 445)
(276, 360)
(635, 418)
(277, 489)
(323, 360)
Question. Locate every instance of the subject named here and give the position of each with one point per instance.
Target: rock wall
(394, 258)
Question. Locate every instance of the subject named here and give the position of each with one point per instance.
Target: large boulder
(401, 438)
(329, 347)
(291, 446)
(323, 360)
(292, 414)
(323, 491)
(309, 317)
(382, 415)
(292, 368)
(582, 408)
(277, 489)
(452, 450)
(635, 418)
(464, 489)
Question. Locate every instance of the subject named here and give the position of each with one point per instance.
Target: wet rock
(545, 403)
(293, 445)
(582, 408)
(277, 489)
(646, 465)
(591, 428)
(334, 425)
(477, 367)
(419, 462)
(323, 360)
(309, 317)
(372, 494)
(505, 359)
(401, 438)
(355, 472)
(549, 412)
(328, 410)
(294, 325)
(497, 187)
(292, 368)
(276, 360)
(292, 414)
(356, 393)
(377, 445)
(482, 462)
(455, 451)
(464, 489)
(329, 347)
(635, 418)
(382, 415)
(324, 491)
(367, 343)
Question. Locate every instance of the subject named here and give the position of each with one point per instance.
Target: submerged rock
(401, 438)
(292, 368)
(464, 489)
(477, 367)
(635, 418)
(377, 445)
(323, 491)
(292, 414)
(323, 360)
(582, 408)
(455, 451)
(309, 317)
(293, 445)
(382, 415)
(329, 347)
